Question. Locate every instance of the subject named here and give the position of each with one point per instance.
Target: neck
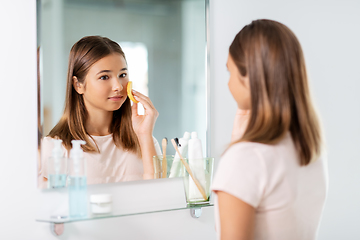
(98, 123)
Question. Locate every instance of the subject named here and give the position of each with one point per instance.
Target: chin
(243, 107)
(117, 107)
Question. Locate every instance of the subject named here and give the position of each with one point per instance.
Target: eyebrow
(106, 71)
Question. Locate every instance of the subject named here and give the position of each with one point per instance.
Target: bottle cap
(57, 152)
(101, 198)
(186, 135)
(194, 135)
(76, 151)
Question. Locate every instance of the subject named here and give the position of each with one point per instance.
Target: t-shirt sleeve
(241, 173)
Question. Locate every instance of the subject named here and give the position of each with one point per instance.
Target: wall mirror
(165, 43)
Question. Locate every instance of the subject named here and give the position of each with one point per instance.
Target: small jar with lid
(101, 204)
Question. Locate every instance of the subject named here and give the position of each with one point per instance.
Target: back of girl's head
(269, 53)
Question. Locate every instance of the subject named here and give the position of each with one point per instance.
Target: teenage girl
(119, 142)
(271, 182)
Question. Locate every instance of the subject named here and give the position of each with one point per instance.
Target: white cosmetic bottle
(176, 168)
(77, 181)
(196, 164)
(57, 166)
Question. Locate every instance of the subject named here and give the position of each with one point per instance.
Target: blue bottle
(77, 182)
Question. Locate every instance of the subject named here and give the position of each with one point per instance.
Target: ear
(78, 86)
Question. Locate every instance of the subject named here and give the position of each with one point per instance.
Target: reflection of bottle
(176, 167)
(57, 166)
(197, 166)
(77, 181)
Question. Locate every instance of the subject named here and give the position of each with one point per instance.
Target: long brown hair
(270, 54)
(83, 55)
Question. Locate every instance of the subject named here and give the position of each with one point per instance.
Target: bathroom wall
(328, 33)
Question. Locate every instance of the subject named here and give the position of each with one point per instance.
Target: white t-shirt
(112, 164)
(288, 198)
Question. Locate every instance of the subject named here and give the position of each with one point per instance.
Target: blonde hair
(83, 55)
(269, 53)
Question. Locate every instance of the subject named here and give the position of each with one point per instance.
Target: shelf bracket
(195, 212)
(57, 229)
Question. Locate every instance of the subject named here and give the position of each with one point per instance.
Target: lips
(115, 98)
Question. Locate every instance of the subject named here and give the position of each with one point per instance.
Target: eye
(122, 75)
(105, 77)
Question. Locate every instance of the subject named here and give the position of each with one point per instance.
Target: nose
(117, 87)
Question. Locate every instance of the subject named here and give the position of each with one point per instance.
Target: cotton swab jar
(101, 204)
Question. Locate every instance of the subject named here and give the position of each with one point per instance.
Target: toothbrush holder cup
(202, 170)
(162, 167)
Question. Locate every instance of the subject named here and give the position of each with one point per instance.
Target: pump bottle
(57, 166)
(77, 181)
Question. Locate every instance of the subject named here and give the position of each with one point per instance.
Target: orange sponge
(129, 92)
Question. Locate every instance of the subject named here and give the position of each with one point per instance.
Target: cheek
(230, 84)
(124, 85)
(98, 90)
(233, 87)
(240, 93)
(246, 99)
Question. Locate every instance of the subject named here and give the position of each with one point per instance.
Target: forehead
(114, 62)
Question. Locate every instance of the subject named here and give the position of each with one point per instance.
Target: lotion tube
(196, 164)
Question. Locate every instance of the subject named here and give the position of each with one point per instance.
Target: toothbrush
(177, 142)
(164, 162)
(189, 170)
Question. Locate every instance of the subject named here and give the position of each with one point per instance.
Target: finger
(134, 108)
(144, 103)
(143, 98)
(149, 108)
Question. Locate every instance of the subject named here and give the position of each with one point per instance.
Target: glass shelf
(66, 219)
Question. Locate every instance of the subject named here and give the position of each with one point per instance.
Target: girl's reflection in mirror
(119, 142)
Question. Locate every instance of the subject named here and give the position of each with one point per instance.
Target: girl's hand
(143, 124)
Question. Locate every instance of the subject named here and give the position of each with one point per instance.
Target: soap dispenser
(57, 166)
(77, 181)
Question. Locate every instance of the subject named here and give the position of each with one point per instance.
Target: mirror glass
(165, 46)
